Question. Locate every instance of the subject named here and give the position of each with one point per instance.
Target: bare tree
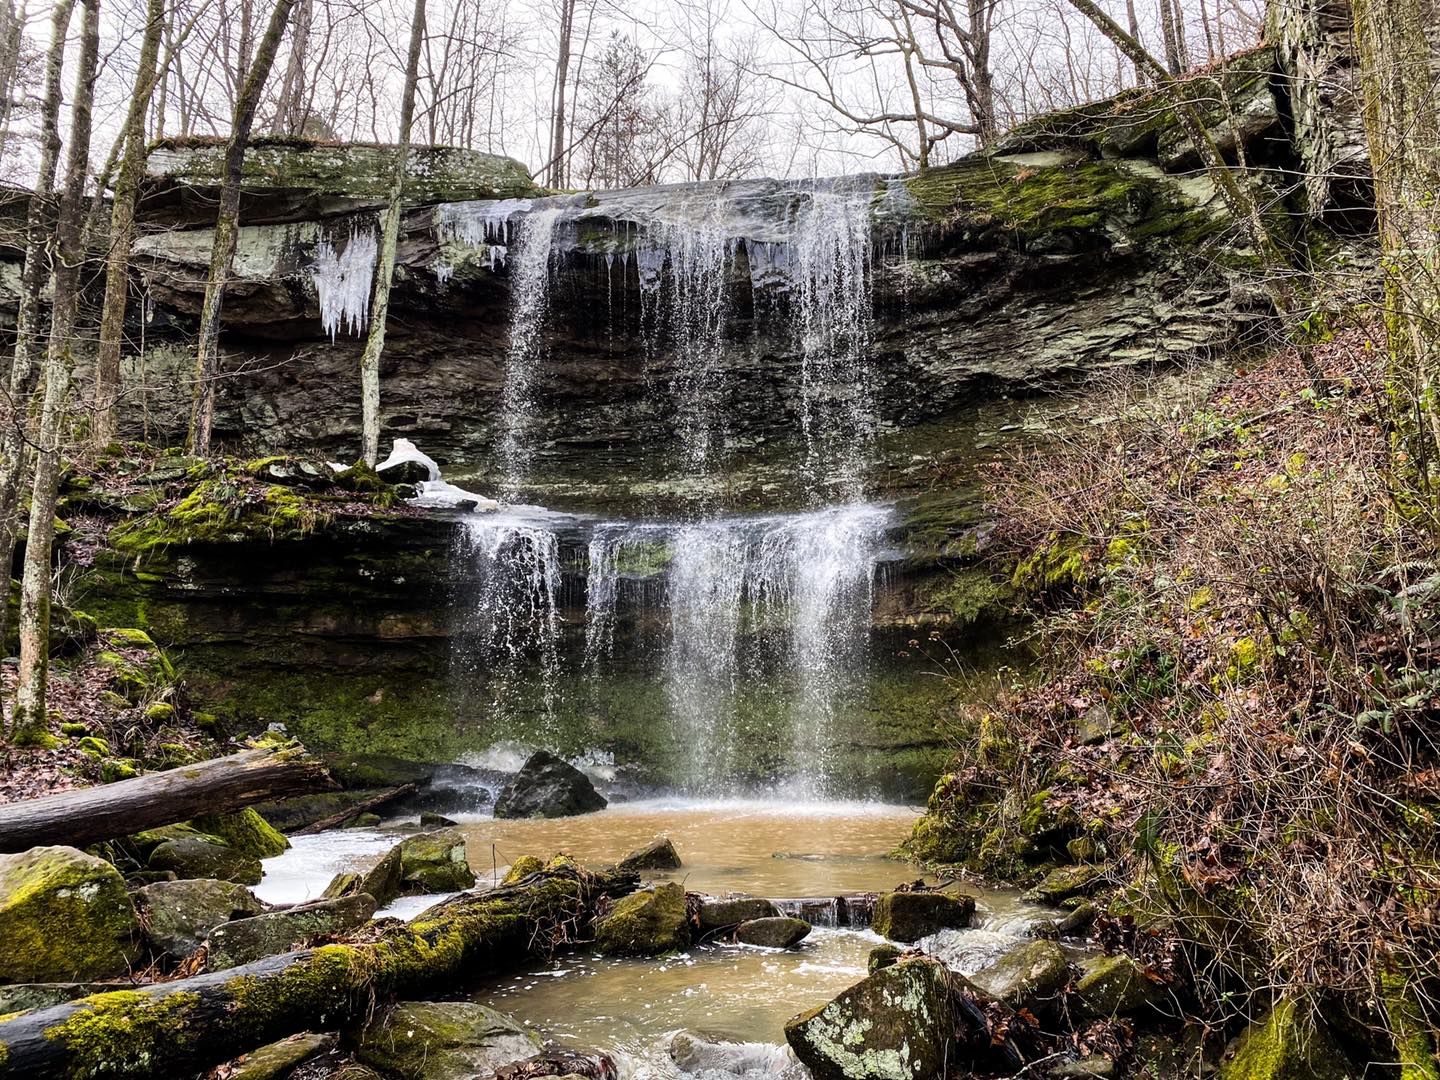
(385, 268)
(291, 110)
(227, 228)
(30, 717)
(12, 36)
(722, 110)
(556, 176)
(623, 141)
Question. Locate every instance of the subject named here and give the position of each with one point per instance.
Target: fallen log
(87, 816)
(334, 821)
(181, 1027)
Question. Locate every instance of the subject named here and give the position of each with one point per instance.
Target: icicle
(342, 281)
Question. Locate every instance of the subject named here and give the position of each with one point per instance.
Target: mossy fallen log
(87, 816)
(181, 1027)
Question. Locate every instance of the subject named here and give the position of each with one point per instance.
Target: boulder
(1116, 986)
(275, 932)
(882, 956)
(522, 868)
(895, 1025)
(1029, 976)
(245, 831)
(720, 914)
(442, 1040)
(773, 933)
(556, 1062)
(910, 916)
(1287, 1045)
(431, 818)
(659, 854)
(278, 1058)
(548, 787)
(645, 923)
(193, 857)
(433, 862)
(64, 915)
(383, 881)
(1065, 882)
(179, 915)
(1090, 1067)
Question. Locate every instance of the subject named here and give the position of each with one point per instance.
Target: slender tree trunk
(122, 230)
(1134, 23)
(385, 267)
(12, 29)
(1182, 47)
(227, 229)
(290, 110)
(1402, 129)
(562, 76)
(1167, 34)
(29, 345)
(982, 82)
(29, 726)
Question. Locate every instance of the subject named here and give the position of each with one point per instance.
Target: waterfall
(530, 308)
(512, 613)
(342, 281)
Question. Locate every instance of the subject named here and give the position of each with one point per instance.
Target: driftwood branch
(335, 820)
(182, 1027)
(90, 815)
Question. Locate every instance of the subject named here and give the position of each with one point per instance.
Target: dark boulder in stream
(910, 916)
(773, 933)
(179, 915)
(720, 914)
(548, 787)
(1030, 976)
(434, 862)
(659, 854)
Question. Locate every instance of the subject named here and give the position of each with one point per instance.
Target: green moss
(245, 831)
(64, 916)
(522, 868)
(1415, 1040)
(118, 769)
(125, 1032)
(221, 510)
(967, 595)
(1286, 1045)
(645, 923)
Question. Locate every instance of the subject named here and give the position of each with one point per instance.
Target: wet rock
(430, 817)
(645, 923)
(1287, 1045)
(548, 787)
(910, 916)
(434, 862)
(773, 933)
(366, 820)
(64, 915)
(882, 956)
(276, 932)
(659, 854)
(1066, 882)
(383, 881)
(1029, 976)
(1116, 986)
(279, 1058)
(1076, 922)
(892, 1026)
(404, 471)
(193, 857)
(244, 831)
(442, 1040)
(179, 915)
(562, 1063)
(719, 914)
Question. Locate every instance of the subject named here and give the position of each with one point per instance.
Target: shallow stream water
(738, 994)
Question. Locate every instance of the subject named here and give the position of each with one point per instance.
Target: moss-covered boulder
(910, 916)
(179, 915)
(522, 868)
(434, 862)
(138, 669)
(279, 1058)
(659, 854)
(720, 914)
(895, 1025)
(195, 857)
(1116, 986)
(383, 881)
(773, 933)
(882, 956)
(1065, 882)
(1288, 1044)
(64, 916)
(645, 923)
(1029, 976)
(442, 1040)
(276, 932)
(245, 831)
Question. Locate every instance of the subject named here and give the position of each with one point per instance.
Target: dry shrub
(1226, 573)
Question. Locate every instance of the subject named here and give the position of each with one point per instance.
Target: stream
(740, 996)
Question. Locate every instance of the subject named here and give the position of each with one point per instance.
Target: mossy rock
(64, 916)
(193, 857)
(645, 923)
(224, 510)
(382, 881)
(910, 916)
(1030, 976)
(435, 862)
(721, 914)
(522, 868)
(442, 1040)
(1065, 882)
(179, 915)
(244, 831)
(138, 668)
(245, 940)
(1287, 1045)
(883, 956)
(280, 1058)
(1116, 986)
(659, 854)
(117, 769)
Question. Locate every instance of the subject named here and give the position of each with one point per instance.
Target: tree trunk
(290, 110)
(1404, 135)
(227, 228)
(1134, 23)
(334, 821)
(1167, 33)
(91, 815)
(29, 345)
(385, 268)
(183, 1027)
(122, 230)
(29, 721)
(12, 30)
(562, 76)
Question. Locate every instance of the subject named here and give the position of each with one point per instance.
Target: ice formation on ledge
(434, 493)
(403, 450)
(482, 223)
(342, 281)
